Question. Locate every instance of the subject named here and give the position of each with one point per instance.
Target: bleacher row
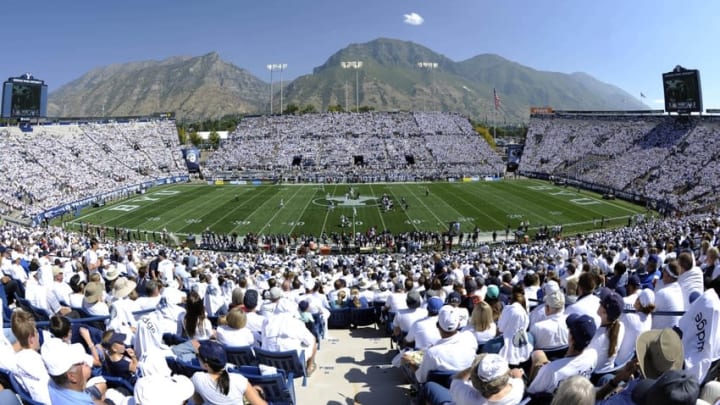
(58, 164)
(659, 158)
(441, 144)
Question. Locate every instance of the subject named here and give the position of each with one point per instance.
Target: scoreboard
(683, 93)
(24, 97)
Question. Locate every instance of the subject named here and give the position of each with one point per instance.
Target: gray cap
(413, 299)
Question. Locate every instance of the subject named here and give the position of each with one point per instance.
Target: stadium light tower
(429, 66)
(354, 64)
(276, 67)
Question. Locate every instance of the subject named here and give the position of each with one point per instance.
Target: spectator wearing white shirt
(234, 333)
(669, 298)
(690, 278)
(552, 331)
(424, 333)
(453, 352)
(610, 334)
(587, 303)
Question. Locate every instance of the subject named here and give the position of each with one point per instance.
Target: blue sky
(625, 43)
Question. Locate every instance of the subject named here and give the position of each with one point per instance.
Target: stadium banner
(467, 179)
(514, 153)
(256, 183)
(219, 182)
(192, 159)
(541, 110)
(238, 182)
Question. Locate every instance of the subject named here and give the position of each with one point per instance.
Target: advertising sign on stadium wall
(541, 110)
(79, 204)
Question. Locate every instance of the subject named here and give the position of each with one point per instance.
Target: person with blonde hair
(234, 333)
(481, 323)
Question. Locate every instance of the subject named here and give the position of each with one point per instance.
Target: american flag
(497, 99)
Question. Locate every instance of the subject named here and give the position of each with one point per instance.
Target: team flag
(642, 95)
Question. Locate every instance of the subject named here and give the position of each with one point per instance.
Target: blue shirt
(623, 397)
(64, 396)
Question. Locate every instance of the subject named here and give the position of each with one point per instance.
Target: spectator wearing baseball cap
(69, 367)
(492, 297)
(632, 289)
(454, 299)
(405, 318)
(551, 332)
(453, 352)
(216, 385)
(637, 322)
(580, 359)
(611, 332)
(119, 360)
(424, 333)
(657, 351)
(673, 387)
(669, 297)
(488, 380)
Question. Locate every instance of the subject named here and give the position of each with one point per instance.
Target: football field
(313, 209)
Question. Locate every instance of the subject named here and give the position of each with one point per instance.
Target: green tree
(485, 133)
(182, 135)
(336, 108)
(366, 108)
(291, 109)
(308, 109)
(214, 139)
(195, 138)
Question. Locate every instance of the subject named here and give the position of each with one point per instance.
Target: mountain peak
(391, 78)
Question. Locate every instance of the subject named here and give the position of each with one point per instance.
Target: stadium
(400, 216)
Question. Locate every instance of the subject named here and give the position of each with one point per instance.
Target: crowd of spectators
(526, 300)
(324, 147)
(661, 158)
(58, 164)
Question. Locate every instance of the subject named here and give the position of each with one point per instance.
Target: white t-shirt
(484, 335)
(454, 353)
(32, 374)
(635, 324)
(551, 332)
(235, 337)
(587, 305)
(669, 298)
(405, 318)
(202, 332)
(691, 281)
(463, 393)
(206, 387)
(424, 333)
(601, 342)
(552, 374)
(513, 323)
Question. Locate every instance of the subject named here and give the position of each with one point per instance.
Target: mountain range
(395, 75)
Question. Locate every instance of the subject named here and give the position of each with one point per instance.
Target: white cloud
(413, 19)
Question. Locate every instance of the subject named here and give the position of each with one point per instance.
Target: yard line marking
(327, 214)
(382, 220)
(260, 232)
(295, 223)
(440, 221)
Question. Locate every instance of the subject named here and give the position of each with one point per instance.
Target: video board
(683, 93)
(24, 97)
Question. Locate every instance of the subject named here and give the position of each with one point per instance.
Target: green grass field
(191, 208)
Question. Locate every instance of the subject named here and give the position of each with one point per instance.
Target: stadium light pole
(429, 66)
(270, 68)
(354, 64)
(276, 67)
